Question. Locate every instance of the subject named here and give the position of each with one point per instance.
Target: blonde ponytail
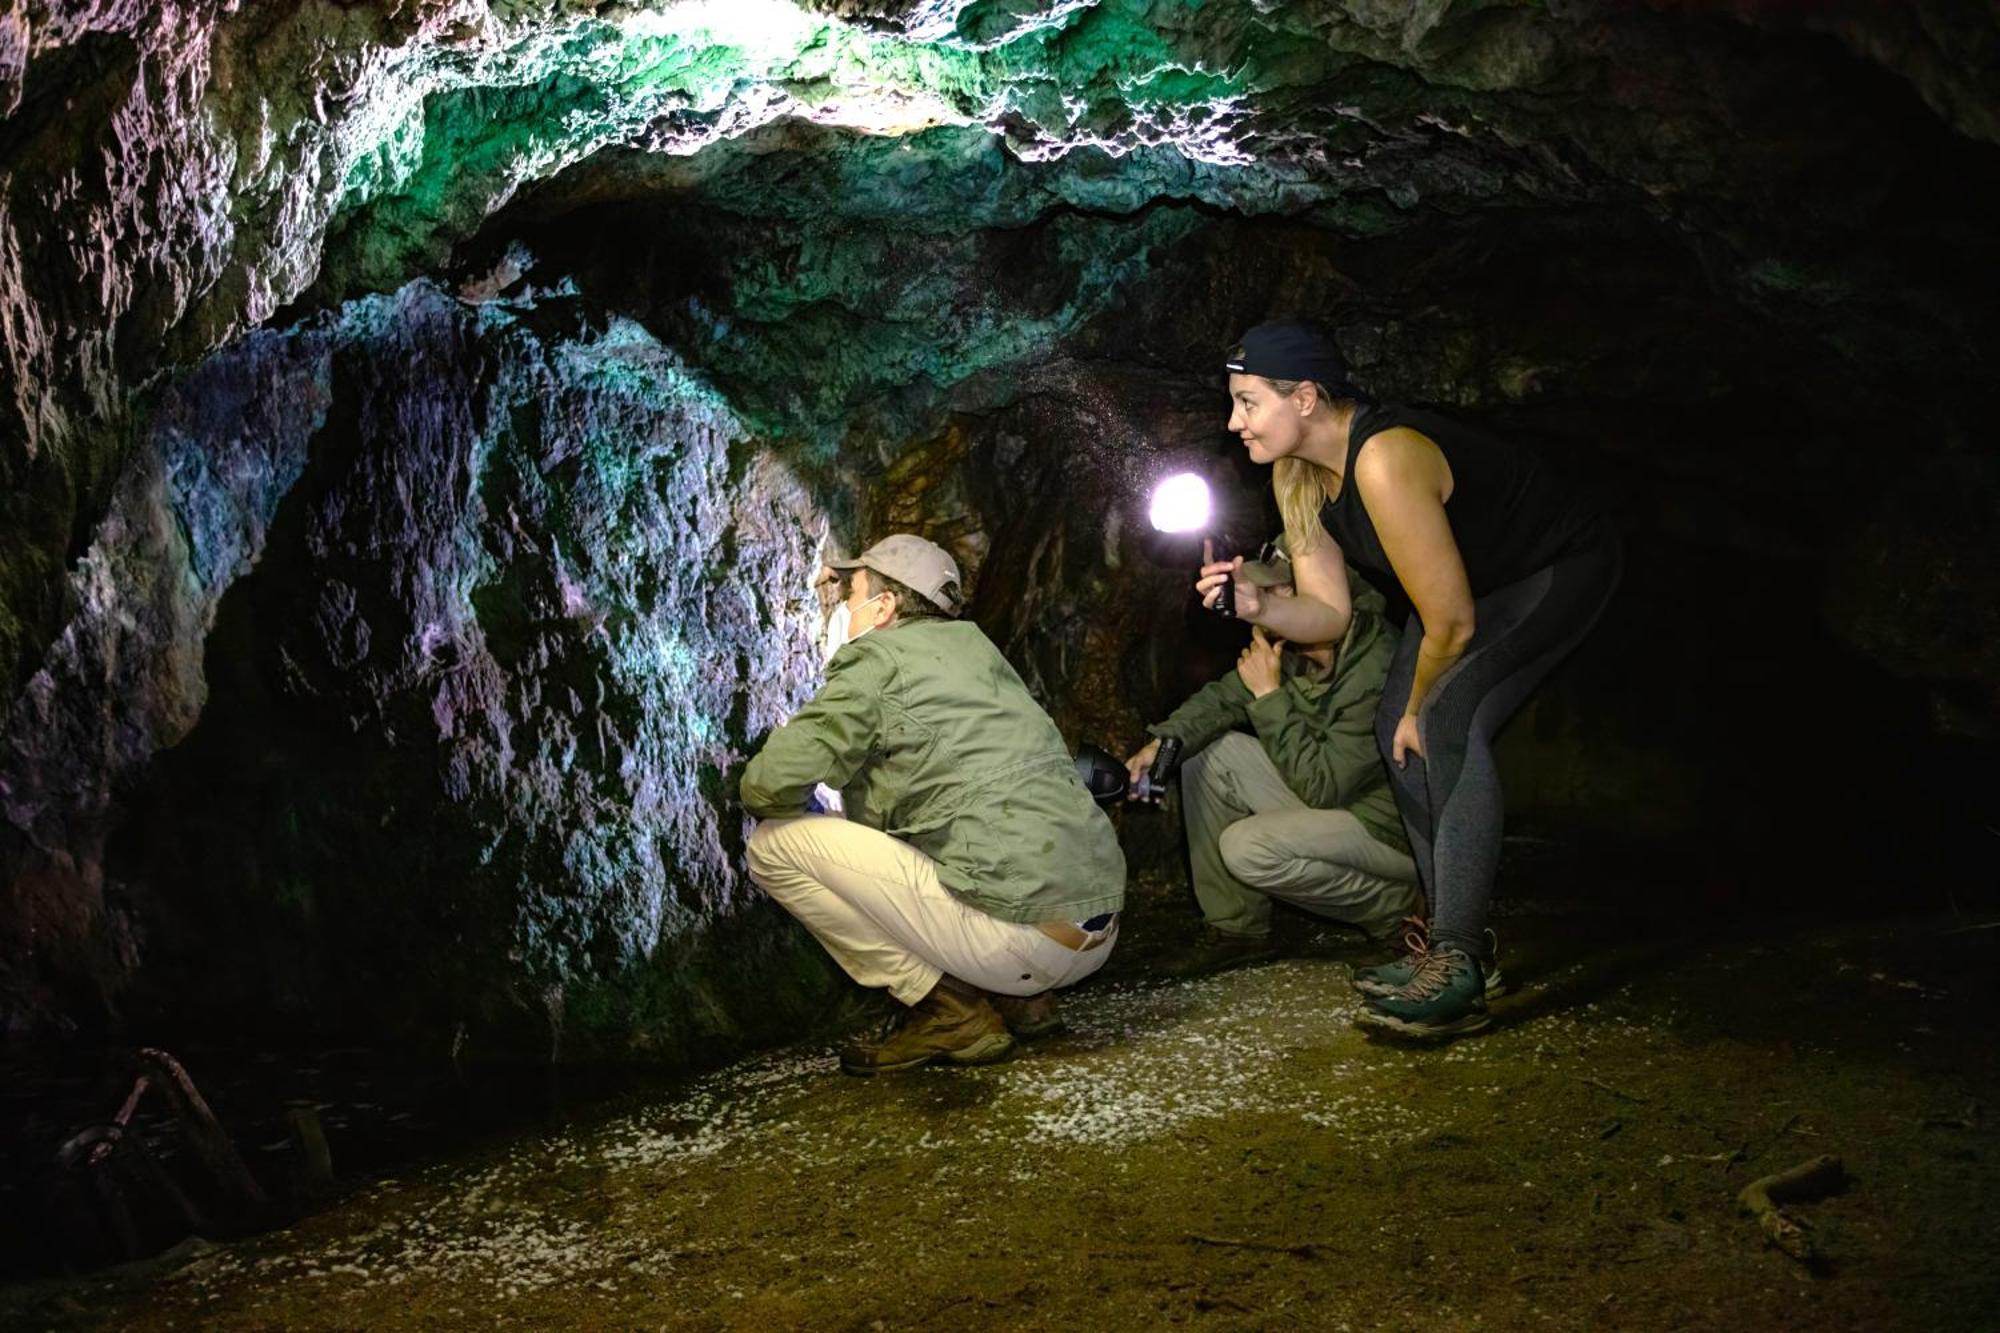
(1302, 488)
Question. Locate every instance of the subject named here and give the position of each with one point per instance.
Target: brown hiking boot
(1218, 951)
(954, 1022)
(1030, 1016)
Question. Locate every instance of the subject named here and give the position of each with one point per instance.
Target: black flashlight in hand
(1182, 505)
(1153, 782)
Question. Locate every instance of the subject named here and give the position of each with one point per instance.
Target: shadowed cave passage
(423, 426)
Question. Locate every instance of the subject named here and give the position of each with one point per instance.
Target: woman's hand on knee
(1409, 740)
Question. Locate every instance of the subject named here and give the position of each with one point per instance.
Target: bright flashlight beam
(1180, 504)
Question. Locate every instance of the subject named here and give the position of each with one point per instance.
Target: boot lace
(1434, 972)
(893, 1023)
(1417, 938)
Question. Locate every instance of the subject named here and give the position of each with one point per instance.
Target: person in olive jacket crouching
(972, 868)
(1284, 790)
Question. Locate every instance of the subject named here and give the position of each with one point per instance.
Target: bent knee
(1245, 854)
(767, 849)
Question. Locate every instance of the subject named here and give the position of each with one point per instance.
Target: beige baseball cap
(913, 562)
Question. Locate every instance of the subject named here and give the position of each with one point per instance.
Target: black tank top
(1509, 515)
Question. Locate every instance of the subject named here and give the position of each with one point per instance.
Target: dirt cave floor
(1231, 1152)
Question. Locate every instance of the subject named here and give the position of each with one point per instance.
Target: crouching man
(972, 867)
(1283, 788)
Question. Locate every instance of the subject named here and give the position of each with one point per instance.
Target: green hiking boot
(1387, 978)
(1445, 998)
(953, 1023)
(1029, 1016)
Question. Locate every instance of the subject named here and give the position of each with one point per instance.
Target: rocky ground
(1231, 1152)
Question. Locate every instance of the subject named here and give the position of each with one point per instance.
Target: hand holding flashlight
(1222, 591)
(1138, 765)
(1152, 768)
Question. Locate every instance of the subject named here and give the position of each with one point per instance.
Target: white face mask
(853, 633)
(840, 629)
(836, 630)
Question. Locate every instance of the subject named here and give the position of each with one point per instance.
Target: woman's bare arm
(1404, 483)
(1321, 575)
(1318, 614)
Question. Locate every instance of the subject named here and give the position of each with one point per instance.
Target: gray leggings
(1450, 798)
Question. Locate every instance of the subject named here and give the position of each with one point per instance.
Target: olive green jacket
(1318, 726)
(932, 738)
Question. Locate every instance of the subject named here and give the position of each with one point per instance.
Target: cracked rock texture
(451, 755)
(420, 421)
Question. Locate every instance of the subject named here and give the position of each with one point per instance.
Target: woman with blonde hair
(1505, 568)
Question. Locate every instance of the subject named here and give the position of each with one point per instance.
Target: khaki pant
(877, 905)
(1250, 839)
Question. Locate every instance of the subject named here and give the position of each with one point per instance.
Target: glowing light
(1180, 504)
(871, 85)
(765, 28)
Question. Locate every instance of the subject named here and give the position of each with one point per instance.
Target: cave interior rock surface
(422, 422)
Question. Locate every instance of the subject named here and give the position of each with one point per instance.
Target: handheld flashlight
(1181, 504)
(1153, 786)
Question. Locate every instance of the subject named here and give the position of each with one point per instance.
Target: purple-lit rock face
(420, 424)
(451, 756)
(522, 612)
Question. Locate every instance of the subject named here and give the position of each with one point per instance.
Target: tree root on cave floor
(1814, 1179)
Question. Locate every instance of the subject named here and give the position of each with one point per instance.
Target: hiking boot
(1219, 951)
(954, 1022)
(1030, 1016)
(1387, 978)
(1446, 998)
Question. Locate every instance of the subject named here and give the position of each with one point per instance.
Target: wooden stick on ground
(1807, 1181)
(1305, 1251)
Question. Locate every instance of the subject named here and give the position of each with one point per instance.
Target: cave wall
(423, 419)
(452, 623)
